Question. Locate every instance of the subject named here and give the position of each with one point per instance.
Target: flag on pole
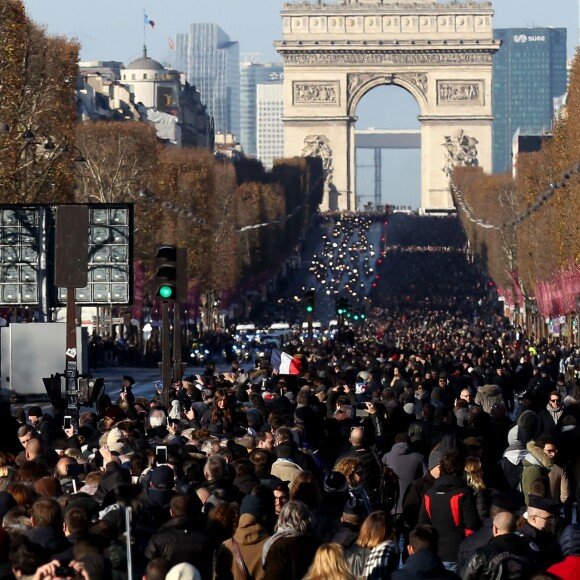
(148, 21)
(285, 363)
(171, 44)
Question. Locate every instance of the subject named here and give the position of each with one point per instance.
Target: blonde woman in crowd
(474, 479)
(376, 539)
(329, 562)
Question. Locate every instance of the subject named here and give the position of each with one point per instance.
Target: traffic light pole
(166, 354)
(177, 368)
(71, 371)
(70, 272)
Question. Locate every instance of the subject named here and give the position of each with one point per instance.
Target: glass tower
(529, 73)
(269, 125)
(253, 74)
(211, 63)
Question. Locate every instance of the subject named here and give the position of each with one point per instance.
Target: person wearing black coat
(506, 555)
(450, 507)
(551, 416)
(423, 561)
(371, 466)
(181, 539)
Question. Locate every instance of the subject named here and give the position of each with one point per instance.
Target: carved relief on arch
(359, 83)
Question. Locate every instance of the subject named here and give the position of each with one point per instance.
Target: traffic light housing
(90, 390)
(166, 272)
(310, 301)
(341, 306)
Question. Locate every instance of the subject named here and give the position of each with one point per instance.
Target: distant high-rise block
(253, 74)
(529, 73)
(211, 62)
(270, 128)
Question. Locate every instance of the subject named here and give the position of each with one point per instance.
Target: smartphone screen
(67, 422)
(161, 455)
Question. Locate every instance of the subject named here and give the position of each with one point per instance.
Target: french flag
(284, 363)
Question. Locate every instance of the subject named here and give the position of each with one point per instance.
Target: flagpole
(144, 28)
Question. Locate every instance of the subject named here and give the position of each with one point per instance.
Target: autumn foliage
(537, 258)
(237, 221)
(37, 108)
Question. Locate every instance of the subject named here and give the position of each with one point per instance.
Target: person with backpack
(370, 464)
(408, 466)
(508, 555)
(449, 506)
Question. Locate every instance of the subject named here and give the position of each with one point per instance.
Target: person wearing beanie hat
(527, 426)
(450, 507)
(417, 490)
(569, 568)
(34, 413)
(335, 482)
(353, 515)
(45, 426)
(182, 538)
(247, 543)
(434, 459)
(183, 571)
(256, 506)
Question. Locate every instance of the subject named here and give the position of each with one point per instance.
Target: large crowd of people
(430, 444)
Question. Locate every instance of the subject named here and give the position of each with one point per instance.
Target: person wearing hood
(488, 395)
(511, 467)
(537, 463)
(423, 561)
(240, 557)
(525, 429)
(569, 567)
(407, 464)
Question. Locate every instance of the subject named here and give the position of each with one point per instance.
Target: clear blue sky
(113, 30)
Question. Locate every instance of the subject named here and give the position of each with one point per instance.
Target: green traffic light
(166, 291)
(309, 308)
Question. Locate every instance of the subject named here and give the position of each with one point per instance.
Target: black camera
(64, 572)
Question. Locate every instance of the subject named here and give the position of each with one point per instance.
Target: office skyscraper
(211, 62)
(251, 75)
(529, 73)
(269, 126)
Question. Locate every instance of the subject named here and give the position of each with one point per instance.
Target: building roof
(145, 63)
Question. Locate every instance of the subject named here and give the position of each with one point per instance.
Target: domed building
(164, 98)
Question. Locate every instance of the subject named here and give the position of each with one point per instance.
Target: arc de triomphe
(440, 53)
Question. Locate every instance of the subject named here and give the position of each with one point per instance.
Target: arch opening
(387, 148)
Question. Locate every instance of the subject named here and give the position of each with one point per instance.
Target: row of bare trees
(536, 244)
(208, 205)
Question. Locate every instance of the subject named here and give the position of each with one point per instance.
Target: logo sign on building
(524, 38)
